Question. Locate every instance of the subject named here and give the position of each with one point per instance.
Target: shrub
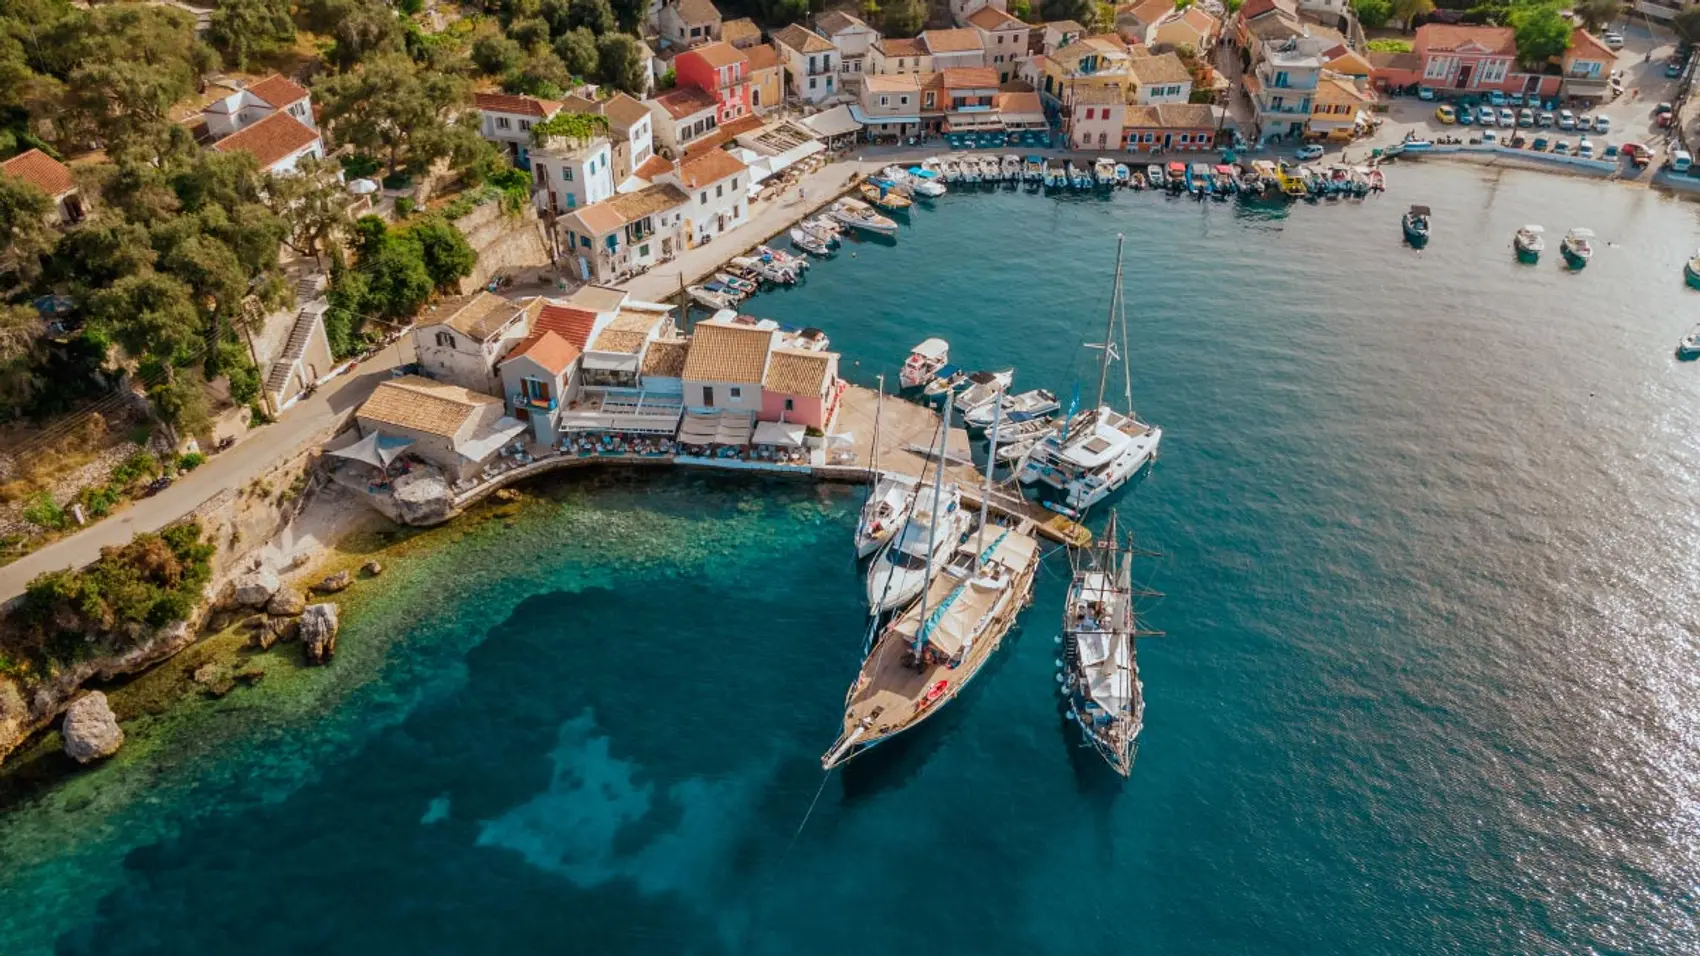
(98, 500)
(359, 165)
(190, 461)
(140, 465)
(44, 513)
(399, 179)
(404, 207)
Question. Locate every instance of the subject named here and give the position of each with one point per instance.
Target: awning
(486, 443)
(735, 428)
(376, 449)
(794, 155)
(611, 361)
(833, 122)
(866, 120)
(779, 433)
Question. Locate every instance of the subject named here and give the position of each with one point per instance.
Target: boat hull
(1691, 277)
(1416, 237)
(1575, 260)
(1527, 255)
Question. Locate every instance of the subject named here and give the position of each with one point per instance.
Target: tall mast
(991, 466)
(933, 528)
(874, 452)
(1110, 325)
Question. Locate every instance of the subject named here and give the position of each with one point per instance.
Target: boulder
(333, 583)
(91, 729)
(274, 629)
(213, 680)
(371, 569)
(423, 498)
(256, 588)
(287, 602)
(318, 632)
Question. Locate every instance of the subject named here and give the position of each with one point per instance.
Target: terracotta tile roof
(802, 39)
(652, 167)
(1147, 12)
(624, 111)
(1446, 37)
(1201, 20)
(1342, 88)
(698, 11)
(278, 90)
(665, 358)
(269, 140)
(970, 77)
(1379, 60)
(479, 315)
(1019, 103)
(891, 82)
(597, 298)
(990, 18)
(835, 22)
(569, 323)
(1583, 46)
(717, 54)
(743, 28)
(798, 371)
(600, 219)
(1186, 116)
(1065, 26)
(685, 101)
(708, 168)
(901, 46)
(954, 40)
(1098, 95)
(1165, 68)
(547, 349)
(762, 56)
(619, 340)
(420, 404)
(520, 105)
(723, 134)
(1140, 117)
(41, 171)
(727, 353)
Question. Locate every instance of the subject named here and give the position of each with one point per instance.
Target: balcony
(620, 409)
(822, 68)
(521, 400)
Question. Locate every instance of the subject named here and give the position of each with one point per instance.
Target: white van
(1680, 161)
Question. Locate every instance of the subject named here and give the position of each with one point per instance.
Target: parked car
(1585, 149)
(1307, 153)
(1610, 152)
(1426, 93)
(1612, 39)
(1507, 118)
(1490, 137)
(1543, 118)
(1540, 144)
(1496, 97)
(1602, 123)
(1446, 114)
(1662, 109)
(1466, 117)
(1681, 161)
(1525, 118)
(1487, 115)
(1561, 147)
(1566, 119)
(1515, 99)
(1674, 68)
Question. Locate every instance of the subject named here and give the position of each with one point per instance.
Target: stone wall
(505, 243)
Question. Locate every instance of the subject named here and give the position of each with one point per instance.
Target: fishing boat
(924, 362)
(1033, 169)
(1529, 244)
(932, 530)
(713, 298)
(1154, 176)
(925, 183)
(782, 258)
(932, 165)
(1104, 171)
(948, 381)
(1416, 225)
(1292, 181)
(1176, 176)
(1096, 453)
(983, 388)
(1197, 178)
(1578, 247)
(925, 657)
(809, 244)
(1056, 174)
(1376, 178)
(1037, 403)
(1124, 175)
(1251, 181)
(952, 170)
(885, 511)
(1691, 271)
(1028, 430)
(1011, 168)
(738, 284)
(1225, 181)
(880, 193)
(991, 171)
(970, 169)
(1078, 177)
(1100, 677)
(765, 268)
(859, 215)
(1689, 346)
(1010, 455)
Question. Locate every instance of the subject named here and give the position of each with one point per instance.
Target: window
(446, 340)
(735, 392)
(525, 124)
(755, 97)
(903, 100)
(885, 101)
(708, 395)
(1186, 137)
(719, 190)
(502, 123)
(643, 250)
(567, 173)
(737, 210)
(703, 199)
(734, 182)
(790, 405)
(811, 82)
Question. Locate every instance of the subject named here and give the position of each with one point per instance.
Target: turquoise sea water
(1429, 683)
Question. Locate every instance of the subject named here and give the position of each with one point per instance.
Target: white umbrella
(363, 187)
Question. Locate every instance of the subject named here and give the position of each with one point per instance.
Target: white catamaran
(1096, 452)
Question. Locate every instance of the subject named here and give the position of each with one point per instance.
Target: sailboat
(925, 657)
(936, 523)
(1100, 678)
(1099, 450)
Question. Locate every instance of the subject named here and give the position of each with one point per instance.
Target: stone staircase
(287, 367)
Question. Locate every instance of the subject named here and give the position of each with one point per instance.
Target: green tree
(629, 13)
(577, 50)
(597, 16)
(392, 265)
(530, 33)
(1406, 11)
(1080, 11)
(25, 234)
(1542, 32)
(23, 348)
(621, 63)
(1373, 14)
(181, 401)
(390, 106)
(244, 29)
(362, 29)
(447, 256)
(1596, 14)
(541, 74)
(1686, 23)
(903, 18)
(102, 252)
(496, 54)
(1021, 9)
(152, 316)
(784, 11)
(312, 201)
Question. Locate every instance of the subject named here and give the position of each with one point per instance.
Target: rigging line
(811, 811)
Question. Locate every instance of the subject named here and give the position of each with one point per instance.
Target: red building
(721, 70)
(1460, 60)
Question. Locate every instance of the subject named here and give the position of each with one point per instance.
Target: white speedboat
(1104, 171)
(1124, 175)
(1529, 243)
(991, 171)
(924, 362)
(782, 258)
(886, 509)
(809, 243)
(823, 229)
(737, 284)
(946, 380)
(1037, 403)
(983, 390)
(925, 183)
(713, 298)
(1031, 430)
(1011, 168)
(1689, 347)
(860, 215)
(1578, 247)
(935, 526)
(767, 269)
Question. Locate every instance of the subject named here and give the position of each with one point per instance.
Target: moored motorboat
(1416, 225)
(823, 229)
(991, 171)
(1689, 346)
(738, 284)
(952, 170)
(1377, 179)
(932, 530)
(1033, 169)
(947, 380)
(883, 194)
(1056, 174)
(1104, 171)
(1154, 176)
(713, 298)
(1225, 181)
(809, 243)
(1176, 176)
(1077, 177)
(858, 214)
(783, 258)
(1037, 403)
(885, 511)
(1030, 430)
(1578, 247)
(1691, 271)
(924, 362)
(1011, 168)
(1124, 175)
(766, 269)
(925, 183)
(1529, 243)
(982, 389)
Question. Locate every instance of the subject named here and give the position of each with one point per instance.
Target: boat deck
(890, 696)
(907, 429)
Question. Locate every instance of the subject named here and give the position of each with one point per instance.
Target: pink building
(1459, 60)
(801, 387)
(721, 70)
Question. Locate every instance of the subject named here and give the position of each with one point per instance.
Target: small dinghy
(983, 389)
(737, 284)
(809, 244)
(1416, 225)
(1689, 347)
(1124, 176)
(1037, 403)
(947, 379)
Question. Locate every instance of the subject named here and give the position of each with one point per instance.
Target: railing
(522, 400)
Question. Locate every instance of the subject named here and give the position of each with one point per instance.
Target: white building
(853, 40)
(278, 142)
(811, 61)
(718, 184)
(1160, 79)
(682, 116)
(572, 173)
(463, 339)
(1003, 37)
(958, 47)
(613, 238)
(506, 121)
(247, 106)
(961, 11)
(725, 366)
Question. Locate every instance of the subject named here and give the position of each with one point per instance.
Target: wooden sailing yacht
(925, 657)
(1100, 676)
